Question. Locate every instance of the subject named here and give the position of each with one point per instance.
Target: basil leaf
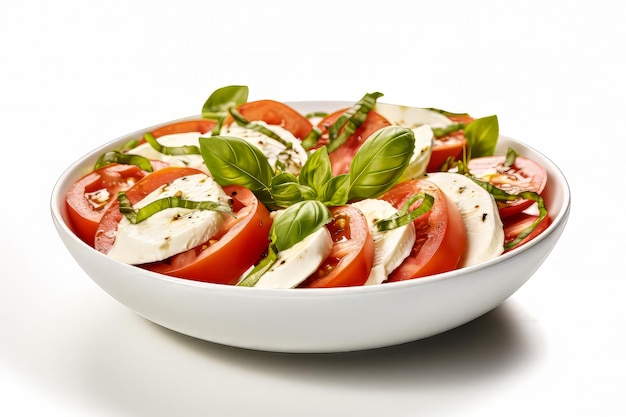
(297, 222)
(440, 132)
(335, 192)
(448, 113)
(482, 135)
(316, 171)
(380, 162)
(115, 157)
(137, 216)
(233, 161)
(224, 99)
(350, 121)
(286, 190)
(509, 160)
(171, 150)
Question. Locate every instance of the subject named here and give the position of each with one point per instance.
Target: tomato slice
(516, 223)
(352, 255)
(341, 158)
(186, 126)
(450, 146)
(524, 175)
(441, 238)
(275, 113)
(224, 258)
(90, 196)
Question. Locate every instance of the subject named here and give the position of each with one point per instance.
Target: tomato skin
(341, 158)
(275, 113)
(222, 261)
(441, 237)
(516, 223)
(84, 217)
(352, 255)
(185, 126)
(524, 175)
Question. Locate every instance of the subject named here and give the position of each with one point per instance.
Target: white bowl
(317, 320)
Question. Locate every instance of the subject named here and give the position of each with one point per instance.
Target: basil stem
(137, 216)
(350, 121)
(243, 122)
(116, 157)
(501, 195)
(404, 216)
(261, 268)
(171, 150)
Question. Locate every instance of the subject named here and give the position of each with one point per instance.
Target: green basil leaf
(509, 160)
(335, 191)
(316, 171)
(380, 162)
(440, 132)
(297, 222)
(286, 190)
(115, 157)
(223, 99)
(448, 113)
(482, 136)
(233, 161)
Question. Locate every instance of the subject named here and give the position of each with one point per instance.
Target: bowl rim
(78, 168)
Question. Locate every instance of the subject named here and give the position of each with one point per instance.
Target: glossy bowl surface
(317, 320)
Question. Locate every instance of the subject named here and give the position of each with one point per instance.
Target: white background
(76, 74)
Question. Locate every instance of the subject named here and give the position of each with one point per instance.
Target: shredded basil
(139, 215)
(171, 150)
(404, 216)
(243, 122)
(349, 122)
(116, 157)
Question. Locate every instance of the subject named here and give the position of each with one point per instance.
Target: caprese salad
(254, 193)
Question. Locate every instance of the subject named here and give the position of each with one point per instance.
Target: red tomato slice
(341, 158)
(275, 113)
(196, 125)
(441, 237)
(352, 255)
(524, 175)
(516, 223)
(221, 260)
(90, 196)
(450, 146)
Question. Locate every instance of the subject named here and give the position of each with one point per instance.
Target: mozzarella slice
(175, 139)
(173, 230)
(391, 247)
(485, 234)
(293, 158)
(297, 263)
(424, 139)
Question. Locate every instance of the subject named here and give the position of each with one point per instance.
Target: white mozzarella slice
(424, 140)
(175, 139)
(173, 230)
(297, 263)
(411, 116)
(293, 158)
(391, 247)
(485, 234)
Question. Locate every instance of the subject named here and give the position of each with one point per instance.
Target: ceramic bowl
(317, 320)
